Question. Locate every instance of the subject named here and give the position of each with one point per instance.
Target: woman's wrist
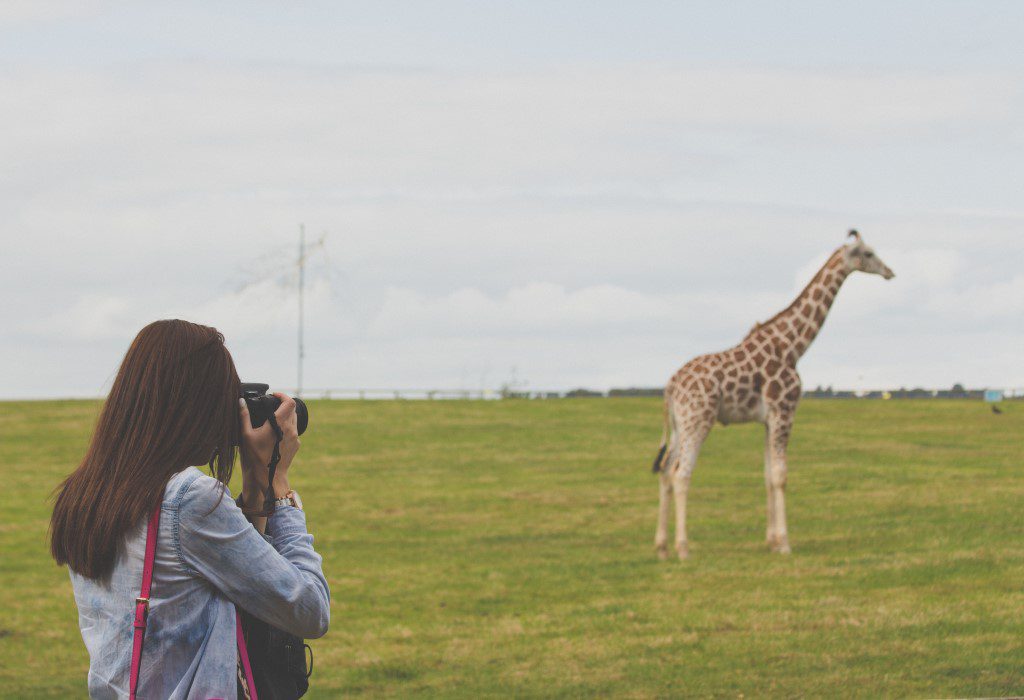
(252, 492)
(281, 487)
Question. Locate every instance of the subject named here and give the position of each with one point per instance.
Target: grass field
(506, 549)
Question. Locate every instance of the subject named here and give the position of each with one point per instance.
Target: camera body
(262, 405)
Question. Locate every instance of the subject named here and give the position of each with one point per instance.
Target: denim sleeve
(280, 581)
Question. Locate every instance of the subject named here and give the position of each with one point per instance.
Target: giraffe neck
(799, 323)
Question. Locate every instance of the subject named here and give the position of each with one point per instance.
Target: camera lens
(301, 415)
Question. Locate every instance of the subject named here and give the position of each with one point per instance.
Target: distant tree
(636, 391)
(583, 393)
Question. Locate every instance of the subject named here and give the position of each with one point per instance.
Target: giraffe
(757, 381)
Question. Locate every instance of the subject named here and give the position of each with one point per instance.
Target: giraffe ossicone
(755, 381)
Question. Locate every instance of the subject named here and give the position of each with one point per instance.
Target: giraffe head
(858, 255)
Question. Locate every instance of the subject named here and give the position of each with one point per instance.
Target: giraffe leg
(779, 428)
(680, 489)
(665, 483)
(770, 533)
(664, 508)
(690, 445)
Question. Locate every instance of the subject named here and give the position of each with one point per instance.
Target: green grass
(506, 549)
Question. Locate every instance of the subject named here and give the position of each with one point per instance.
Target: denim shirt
(208, 558)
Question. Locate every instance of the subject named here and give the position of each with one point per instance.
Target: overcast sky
(570, 194)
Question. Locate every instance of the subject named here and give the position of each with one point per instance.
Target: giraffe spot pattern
(757, 379)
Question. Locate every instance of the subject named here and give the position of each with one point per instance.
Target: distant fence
(399, 394)
(987, 394)
(496, 394)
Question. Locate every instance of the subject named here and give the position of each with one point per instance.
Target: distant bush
(636, 391)
(583, 394)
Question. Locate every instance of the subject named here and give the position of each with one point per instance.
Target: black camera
(262, 405)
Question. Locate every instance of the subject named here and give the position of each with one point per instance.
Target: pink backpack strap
(243, 656)
(142, 602)
(142, 615)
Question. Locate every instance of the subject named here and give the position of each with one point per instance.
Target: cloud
(588, 224)
(21, 12)
(994, 300)
(367, 132)
(546, 309)
(89, 318)
(259, 308)
(533, 308)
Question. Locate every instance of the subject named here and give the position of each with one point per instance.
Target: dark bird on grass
(998, 411)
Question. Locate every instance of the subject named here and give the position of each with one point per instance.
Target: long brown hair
(173, 404)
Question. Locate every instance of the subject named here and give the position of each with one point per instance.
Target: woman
(175, 404)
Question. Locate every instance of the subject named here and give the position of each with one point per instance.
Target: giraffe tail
(656, 467)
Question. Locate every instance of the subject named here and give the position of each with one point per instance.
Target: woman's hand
(258, 446)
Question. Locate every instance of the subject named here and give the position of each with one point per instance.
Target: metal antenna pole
(302, 290)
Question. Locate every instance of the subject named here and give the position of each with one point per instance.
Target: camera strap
(275, 457)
